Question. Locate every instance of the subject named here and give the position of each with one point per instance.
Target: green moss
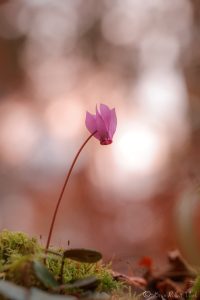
(14, 245)
(75, 270)
(18, 251)
(21, 272)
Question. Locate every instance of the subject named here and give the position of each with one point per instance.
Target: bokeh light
(140, 149)
(18, 132)
(58, 59)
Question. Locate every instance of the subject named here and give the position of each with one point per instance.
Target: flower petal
(113, 123)
(105, 114)
(90, 122)
(101, 127)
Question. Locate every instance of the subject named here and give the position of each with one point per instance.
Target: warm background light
(140, 149)
(59, 59)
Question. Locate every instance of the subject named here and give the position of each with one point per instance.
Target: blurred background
(59, 59)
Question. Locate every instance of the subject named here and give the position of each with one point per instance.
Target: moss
(17, 252)
(14, 245)
(21, 272)
(75, 270)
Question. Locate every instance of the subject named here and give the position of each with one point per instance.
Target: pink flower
(104, 123)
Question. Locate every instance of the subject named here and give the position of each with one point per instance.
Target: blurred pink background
(59, 59)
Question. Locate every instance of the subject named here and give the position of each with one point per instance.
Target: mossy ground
(18, 252)
(22, 262)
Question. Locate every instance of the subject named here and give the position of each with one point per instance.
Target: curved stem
(62, 192)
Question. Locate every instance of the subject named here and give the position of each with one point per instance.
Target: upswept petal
(100, 125)
(105, 114)
(113, 123)
(90, 122)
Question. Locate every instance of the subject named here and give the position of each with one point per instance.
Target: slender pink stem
(62, 192)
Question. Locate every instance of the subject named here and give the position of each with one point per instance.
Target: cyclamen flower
(104, 123)
(102, 126)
